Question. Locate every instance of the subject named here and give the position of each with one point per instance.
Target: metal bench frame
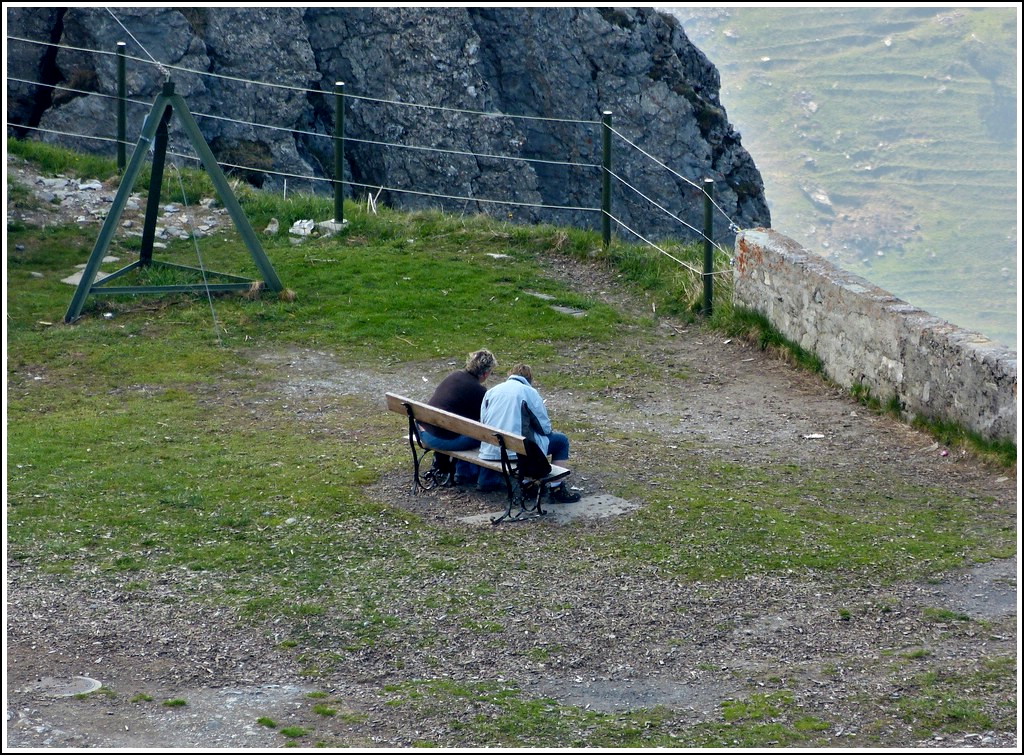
(524, 493)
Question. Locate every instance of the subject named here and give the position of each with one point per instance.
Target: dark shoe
(443, 464)
(437, 479)
(562, 494)
(489, 488)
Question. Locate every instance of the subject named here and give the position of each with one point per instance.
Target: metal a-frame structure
(154, 132)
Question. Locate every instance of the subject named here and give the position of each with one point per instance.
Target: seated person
(502, 408)
(460, 393)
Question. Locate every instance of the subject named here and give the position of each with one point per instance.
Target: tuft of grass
(51, 158)
(105, 691)
(1001, 453)
(944, 701)
(176, 703)
(944, 615)
(757, 707)
(754, 327)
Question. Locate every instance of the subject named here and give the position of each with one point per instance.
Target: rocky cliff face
(506, 104)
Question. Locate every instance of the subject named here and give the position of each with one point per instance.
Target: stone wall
(867, 337)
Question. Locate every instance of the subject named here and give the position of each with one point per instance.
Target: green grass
(1002, 452)
(163, 397)
(51, 159)
(499, 715)
(954, 701)
(944, 615)
(787, 517)
(103, 691)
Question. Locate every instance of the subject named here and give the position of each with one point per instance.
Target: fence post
(122, 109)
(339, 152)
(709, 278)
(606, 182)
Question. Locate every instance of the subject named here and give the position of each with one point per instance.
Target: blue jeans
(558, 447)
(463, 469)
(558, 450)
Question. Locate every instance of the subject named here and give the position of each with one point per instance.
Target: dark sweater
(460, 393)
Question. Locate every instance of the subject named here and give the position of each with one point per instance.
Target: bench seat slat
(473, 457)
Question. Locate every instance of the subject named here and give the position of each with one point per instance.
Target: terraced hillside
(887, 141)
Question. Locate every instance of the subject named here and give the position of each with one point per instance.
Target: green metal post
(606, 183)
(156, 181)
(149, 129)
(122, 108)
(709, 278)
(339, 151)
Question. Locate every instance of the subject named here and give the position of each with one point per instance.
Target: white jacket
(502, 407)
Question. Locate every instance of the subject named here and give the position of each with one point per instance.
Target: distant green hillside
(887, 141)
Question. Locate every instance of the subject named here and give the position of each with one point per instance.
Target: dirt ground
(628, 643)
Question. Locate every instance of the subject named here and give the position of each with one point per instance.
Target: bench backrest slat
(440, 418)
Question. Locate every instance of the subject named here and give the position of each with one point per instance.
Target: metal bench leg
(415, 445)
(535, 490)
(514, 501)
(522, 495)
(511, 486)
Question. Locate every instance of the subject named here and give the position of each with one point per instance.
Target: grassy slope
(946, 161)
(152, 442)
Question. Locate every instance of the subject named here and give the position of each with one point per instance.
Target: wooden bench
(524, 492)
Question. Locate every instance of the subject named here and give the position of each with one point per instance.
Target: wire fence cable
(678, 175)
(165, 68)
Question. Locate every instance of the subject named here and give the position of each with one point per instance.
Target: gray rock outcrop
(492, 110)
